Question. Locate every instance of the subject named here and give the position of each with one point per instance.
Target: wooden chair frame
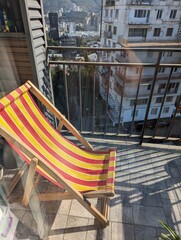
(70, 193)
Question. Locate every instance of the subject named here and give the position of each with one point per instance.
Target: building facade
(53, 19)
(141, 24)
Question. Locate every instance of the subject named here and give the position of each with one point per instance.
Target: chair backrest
(84, 169)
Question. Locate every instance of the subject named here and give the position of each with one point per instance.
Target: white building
(146, 24)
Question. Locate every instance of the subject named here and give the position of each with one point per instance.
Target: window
(136, 113)
(171, 85)
(114, 30)
(159, 14)
(169, 54)
(114, 45)
(111, 13)
(141, 101)
(137, 32)
(175, 69)
(157, 32)
(159, 99)
(106, 13)
(169, 99)
(162, 85)
(117, 13)
(154, 111)
(140, 14)
(166, 109)
(169, 32)
(173, 14)
(161, 69)
(149, 87)
(176, 87)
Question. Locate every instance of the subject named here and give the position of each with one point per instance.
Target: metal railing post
(66, 92)
(150, 97)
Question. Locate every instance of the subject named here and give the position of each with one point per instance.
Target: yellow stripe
(77, 186)
(61, 139)
(54, 146)
(51, 159)
(5, 101)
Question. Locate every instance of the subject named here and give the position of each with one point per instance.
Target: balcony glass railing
(101, 94)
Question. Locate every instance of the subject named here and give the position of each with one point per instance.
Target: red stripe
(54, 140)
(50, 150)
(69, 177)
(66, 176)
(86, 150)
(1, 106)
(11, 98)
(110, 180)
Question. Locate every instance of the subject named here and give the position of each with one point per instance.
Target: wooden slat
(33, 4)
(40, 58)
(60, 126)
(16, 179)
(35, 24)
(38, 42)
(105, 207)
(29, 186)
(20, 70)
(13, 50)
(37, 33)
(57, 196)
(24, 76)
(16, 64)
(40, 67)
(14, 58)
(41, 75)
(14, 42)
(40, 50)
(34, 14)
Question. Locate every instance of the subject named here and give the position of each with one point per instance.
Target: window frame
(159, 14)
(173, 14)
(169, 32)
(156, 32)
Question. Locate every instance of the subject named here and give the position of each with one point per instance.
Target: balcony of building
(110, 3)
(108, 34)
(144, 42)
(139, 21)
(109, 19)
(141, 2)
(148, 176)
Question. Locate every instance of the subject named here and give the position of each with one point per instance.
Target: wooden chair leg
(105, 207)
(16, 179)
(29, 186)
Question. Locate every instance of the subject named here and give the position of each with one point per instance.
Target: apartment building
(141, 24)
(53, 19)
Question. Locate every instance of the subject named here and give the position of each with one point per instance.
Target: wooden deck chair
(82, 172)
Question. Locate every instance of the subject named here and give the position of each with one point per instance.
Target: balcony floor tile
(147, 187)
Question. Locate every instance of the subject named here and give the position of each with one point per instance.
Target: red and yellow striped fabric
(84, 170)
